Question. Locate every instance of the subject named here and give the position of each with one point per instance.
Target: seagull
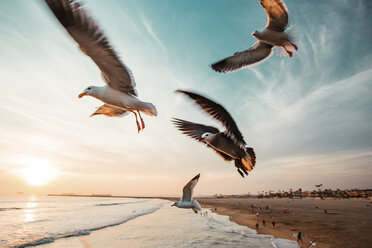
(186, 200)
(272, 35)
(230, 144)
(119, 95)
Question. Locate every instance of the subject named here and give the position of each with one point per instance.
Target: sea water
(95, 222)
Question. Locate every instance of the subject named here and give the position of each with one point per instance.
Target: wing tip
(223, 67)
(176, 121)
(196, 177)
(219, 66)
(190, 94)
(181, 91)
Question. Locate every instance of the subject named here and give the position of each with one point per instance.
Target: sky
(308, 118)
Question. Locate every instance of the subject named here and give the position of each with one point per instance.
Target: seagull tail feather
(249, 160)
(149, 109)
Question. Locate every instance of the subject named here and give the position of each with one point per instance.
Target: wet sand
(347, 223)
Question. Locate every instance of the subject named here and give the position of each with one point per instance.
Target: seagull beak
(173, 204)
(82, 94)
(201, 139)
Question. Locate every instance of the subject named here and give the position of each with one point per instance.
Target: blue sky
(307, 117)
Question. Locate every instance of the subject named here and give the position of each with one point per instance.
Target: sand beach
(347, 223)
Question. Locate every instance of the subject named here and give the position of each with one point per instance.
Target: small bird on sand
(119, 94)
(230, 144)
(311, 243)
(272, 35)
(187, 197)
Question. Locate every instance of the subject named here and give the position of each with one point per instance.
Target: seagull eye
(88, 88)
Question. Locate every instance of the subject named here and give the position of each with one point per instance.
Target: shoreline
(333, 223)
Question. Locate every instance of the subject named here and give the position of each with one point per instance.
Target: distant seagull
(119, 95)
(272, 35)
(186, 200)
(230, 144)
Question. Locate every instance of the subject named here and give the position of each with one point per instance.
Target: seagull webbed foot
(295, 47)
(138, 126)
(289, 52)
(142, 122)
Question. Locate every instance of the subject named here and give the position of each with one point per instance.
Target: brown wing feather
(219, 113)
(109, 110)
(93, 43)
(277, 14)
(195, 131)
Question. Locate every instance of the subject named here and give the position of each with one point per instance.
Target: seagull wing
(195, 131)
(109, 110)
(259, 52)
(93, 43)
(277, 14)
(219, 113)
(188, 189)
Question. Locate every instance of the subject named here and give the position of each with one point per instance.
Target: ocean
(97, 222)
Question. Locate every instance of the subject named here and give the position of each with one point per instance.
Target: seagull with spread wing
(119, 94)
(230, 144)
(272, 35)
(187, 197)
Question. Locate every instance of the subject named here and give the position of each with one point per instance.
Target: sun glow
(37, 171)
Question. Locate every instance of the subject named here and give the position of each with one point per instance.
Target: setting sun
(37, 171)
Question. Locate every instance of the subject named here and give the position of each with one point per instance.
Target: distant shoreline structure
(314, 194)
(291, 194)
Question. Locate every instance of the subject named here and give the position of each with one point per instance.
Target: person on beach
(273, 224)
(257, 225)
(299, 237)
(264, 223)
(258, 214)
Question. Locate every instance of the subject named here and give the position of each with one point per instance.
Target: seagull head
(255, 34)
(206, 137)
(88, 91)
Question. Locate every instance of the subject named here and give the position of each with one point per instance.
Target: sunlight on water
(29, 215)
(30, 211)
(31, 204)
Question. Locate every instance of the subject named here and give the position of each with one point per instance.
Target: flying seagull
(119, 95)
(230, 144)
(186, 200)
(272, 35)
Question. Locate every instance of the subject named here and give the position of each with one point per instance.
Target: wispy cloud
(152, 33)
